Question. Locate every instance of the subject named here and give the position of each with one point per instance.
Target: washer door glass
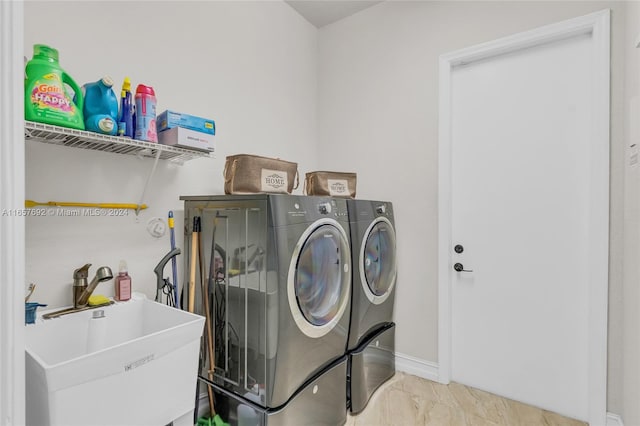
(380, 258)
(320, 284)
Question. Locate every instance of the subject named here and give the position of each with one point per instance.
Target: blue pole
(173, 261)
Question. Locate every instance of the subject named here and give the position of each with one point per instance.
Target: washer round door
(319, 281)
(378, 260)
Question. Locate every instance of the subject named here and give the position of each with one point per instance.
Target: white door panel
(520, 203)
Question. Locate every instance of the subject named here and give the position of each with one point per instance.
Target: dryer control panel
(382, 208)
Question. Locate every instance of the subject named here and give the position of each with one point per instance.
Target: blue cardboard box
(170, 119)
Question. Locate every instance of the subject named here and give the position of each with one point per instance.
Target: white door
(525, 187)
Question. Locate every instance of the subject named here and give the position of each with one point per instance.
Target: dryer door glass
(320, 284)
(380, 258)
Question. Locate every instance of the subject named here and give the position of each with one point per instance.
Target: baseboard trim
(416, 366)
(614, 420)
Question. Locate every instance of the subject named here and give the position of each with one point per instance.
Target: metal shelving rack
(88, 140)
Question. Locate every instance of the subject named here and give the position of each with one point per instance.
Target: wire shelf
(56, 135)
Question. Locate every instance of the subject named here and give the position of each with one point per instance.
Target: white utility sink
(146, 373)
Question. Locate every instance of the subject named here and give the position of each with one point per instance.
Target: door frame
(598, 25)
(12, 225)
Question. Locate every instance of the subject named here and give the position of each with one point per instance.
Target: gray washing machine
(277, 275)
(371, 342)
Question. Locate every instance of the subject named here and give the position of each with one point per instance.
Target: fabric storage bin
(250, 174)
(335, 184)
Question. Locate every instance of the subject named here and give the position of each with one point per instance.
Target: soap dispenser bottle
(123, 283)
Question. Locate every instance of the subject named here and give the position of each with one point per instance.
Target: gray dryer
(371, 343)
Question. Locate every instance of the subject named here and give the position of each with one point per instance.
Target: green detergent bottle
(46, 99)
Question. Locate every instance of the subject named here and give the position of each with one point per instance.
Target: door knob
(459, 267)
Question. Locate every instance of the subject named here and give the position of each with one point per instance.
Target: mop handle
(173, 261)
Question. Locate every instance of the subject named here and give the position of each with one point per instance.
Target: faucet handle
(82, 272)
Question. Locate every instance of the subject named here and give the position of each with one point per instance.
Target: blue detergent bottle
(100, 107)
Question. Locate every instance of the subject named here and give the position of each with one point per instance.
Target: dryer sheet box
(188, 139)
(170, 119)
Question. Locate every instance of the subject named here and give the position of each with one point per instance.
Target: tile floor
(407, 400)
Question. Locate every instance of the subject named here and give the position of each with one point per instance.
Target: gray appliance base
(320, 401)
(370, 365)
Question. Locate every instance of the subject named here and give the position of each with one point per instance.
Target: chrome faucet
(82, 291)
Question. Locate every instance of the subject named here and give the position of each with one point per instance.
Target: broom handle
(210, 349)
(207, 321)
(192, 269)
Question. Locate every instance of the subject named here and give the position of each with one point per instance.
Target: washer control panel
(324, 208)
(332, 208)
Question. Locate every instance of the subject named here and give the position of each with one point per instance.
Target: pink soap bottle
(123, 283)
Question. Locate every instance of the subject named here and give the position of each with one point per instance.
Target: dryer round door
(378, 260)
(319, 281)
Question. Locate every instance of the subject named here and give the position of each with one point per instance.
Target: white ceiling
(325, 12)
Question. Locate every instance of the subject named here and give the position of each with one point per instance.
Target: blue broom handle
(173, 261)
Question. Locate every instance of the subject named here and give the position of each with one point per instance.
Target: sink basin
(144, 372)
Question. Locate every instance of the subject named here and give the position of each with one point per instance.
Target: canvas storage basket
(250, 174)
(335, 184)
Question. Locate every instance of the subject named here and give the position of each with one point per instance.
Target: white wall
(251, 66)
(378, 100)
(630, 356)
